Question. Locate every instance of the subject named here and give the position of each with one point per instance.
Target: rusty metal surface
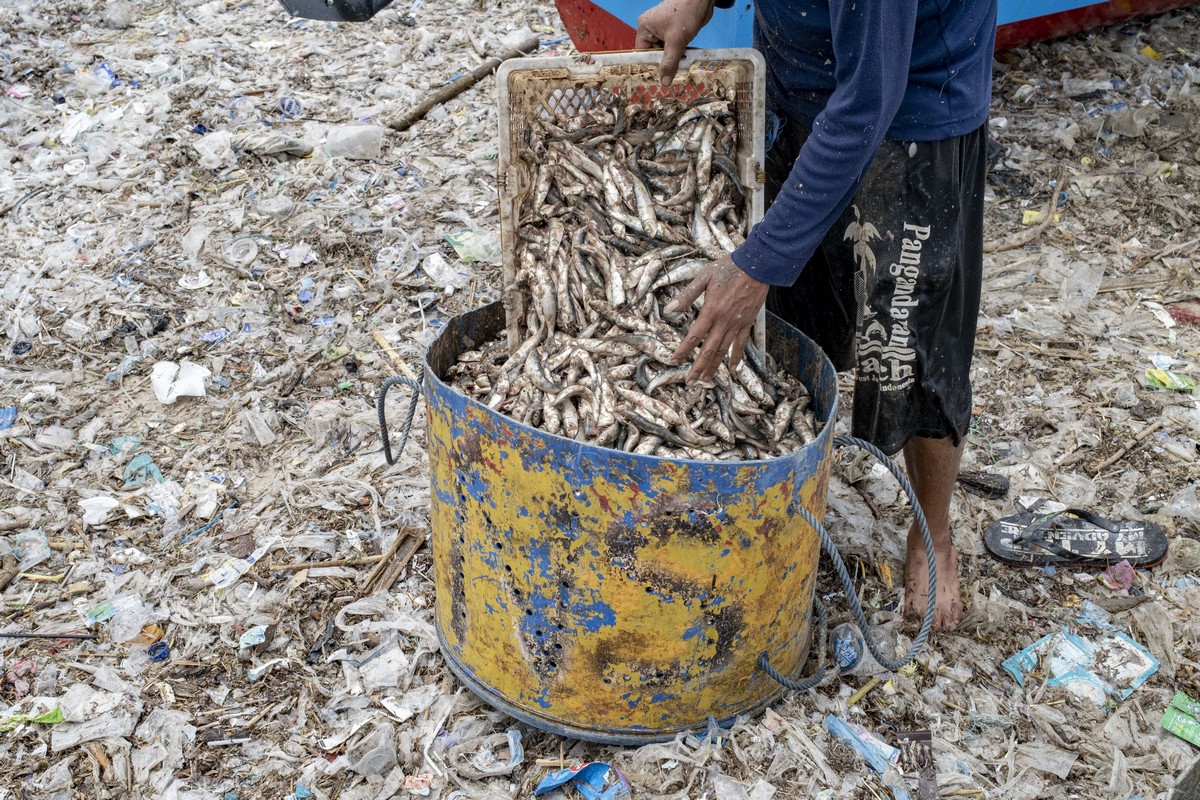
(609, 595)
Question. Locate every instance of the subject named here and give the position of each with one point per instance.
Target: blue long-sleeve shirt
(857, 72)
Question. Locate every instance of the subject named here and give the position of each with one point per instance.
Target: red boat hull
(1066, 23)
(593, 29)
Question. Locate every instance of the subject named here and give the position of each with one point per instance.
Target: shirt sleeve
(872, 45)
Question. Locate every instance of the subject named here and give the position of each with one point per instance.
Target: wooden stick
(1117, 456)
(393, 356)
(387, 556)
(97, 751)
(394, 561)
(405, 120)
(399, 562)
(861, 693)
(48, 635)
(341, 562)
(8, 572)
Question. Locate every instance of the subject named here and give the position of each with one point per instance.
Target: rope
(804, 684)
(848, 584)
(405, 429)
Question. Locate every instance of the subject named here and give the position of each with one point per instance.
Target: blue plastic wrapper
(1103, 669)
(589, 779)
(8, 417)
(879, 755)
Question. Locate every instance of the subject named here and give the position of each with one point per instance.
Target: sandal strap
(1033, 534)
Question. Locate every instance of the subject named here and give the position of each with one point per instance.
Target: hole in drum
(529, 612)
(539, 633)
(507, 568)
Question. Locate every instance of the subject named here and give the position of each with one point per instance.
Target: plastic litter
(880, 756)
(32, 548)
(1166, 379)
(1182, 718)
(480, 758)
(1119, 576)
(474, 246)
(592, 780)
(354, 142)
(172, 381)
(851, 654)
(1102, 669)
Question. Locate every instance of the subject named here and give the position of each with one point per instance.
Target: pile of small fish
(628, 200)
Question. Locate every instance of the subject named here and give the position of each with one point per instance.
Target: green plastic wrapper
(1165, 379)
(1182, 725)
(1186, 704)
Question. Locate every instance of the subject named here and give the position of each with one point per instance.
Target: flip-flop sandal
(987, 485)
(1074, 537)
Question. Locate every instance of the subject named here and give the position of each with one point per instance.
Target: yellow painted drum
(609, 596)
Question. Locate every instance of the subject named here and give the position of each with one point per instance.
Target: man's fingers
(711, 356)
(693, 339)
(739, 346)
(693, 290)
(646, 40)
(672, 55)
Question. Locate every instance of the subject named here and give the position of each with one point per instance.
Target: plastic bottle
(850, 652)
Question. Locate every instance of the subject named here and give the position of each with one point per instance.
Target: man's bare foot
(949, 611)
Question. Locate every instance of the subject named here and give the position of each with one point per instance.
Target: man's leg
(932, 468)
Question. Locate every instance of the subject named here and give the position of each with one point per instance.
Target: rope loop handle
(839, 566)
(406, 428)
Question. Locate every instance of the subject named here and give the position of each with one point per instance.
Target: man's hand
(731, 303)
(672, 24)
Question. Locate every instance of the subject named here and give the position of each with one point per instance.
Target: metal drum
(609, 596)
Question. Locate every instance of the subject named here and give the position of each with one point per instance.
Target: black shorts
(893, 290)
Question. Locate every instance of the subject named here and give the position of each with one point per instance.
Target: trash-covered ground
(213, 253)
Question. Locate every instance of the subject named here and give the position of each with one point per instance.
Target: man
(873, 240)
